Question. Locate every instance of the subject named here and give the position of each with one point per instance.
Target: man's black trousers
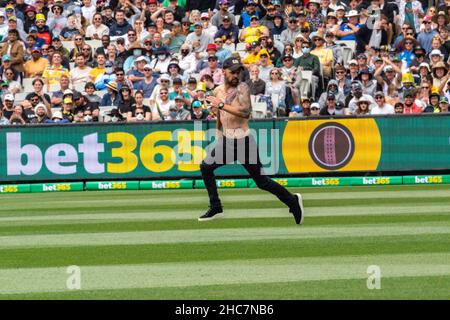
(245, 151)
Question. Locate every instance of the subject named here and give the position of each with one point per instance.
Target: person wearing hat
(332, 88)
(348, 30)
(148, 83)
(292, 31)
(443, 104)
(254, 31)
(199, 39)
(228, 31)
(213, 70)
(36, 65)
(392, 79)
(111, 97)
(175, 38)
(421, 57)
(40, 114)
(268, 21)
(362, 106)
(231, 102)
(177, 111)
(255, 55)
(14, 48)
(357, 94)
(309, 62)
(440, 75)
(43, 31)
(367, 81)
(324, 54)
(409, 105)
(57, 117)
(381, 106)
(314, 18)
(216, 20)
(426, 36)
(441, 19)
(314, 109)
(250, 10)
(329, 109)
(433, 106)
(206, 24)
(57, 21)
(30, 18)
(163, 81)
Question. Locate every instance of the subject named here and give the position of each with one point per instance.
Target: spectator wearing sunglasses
(426, 36)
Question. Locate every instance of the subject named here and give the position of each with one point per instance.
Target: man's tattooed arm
(242, 106)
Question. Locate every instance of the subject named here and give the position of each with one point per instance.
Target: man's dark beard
(408, 104)
(233, 83)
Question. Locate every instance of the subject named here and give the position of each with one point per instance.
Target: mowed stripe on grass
(345, 223)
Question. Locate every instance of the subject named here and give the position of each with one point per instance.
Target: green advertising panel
(112, 185)
(325, 182)
(15, 188)
(224, 183)
(285, 182)
(174, 150)
(369, 181)
(166, 184)
(57, 187)
(426, 179)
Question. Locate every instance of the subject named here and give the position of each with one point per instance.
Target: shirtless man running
(231, 102)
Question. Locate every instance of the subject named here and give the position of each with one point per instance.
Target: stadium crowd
(143, 60)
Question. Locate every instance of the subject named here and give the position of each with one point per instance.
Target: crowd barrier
(223, 183)
(173, 150)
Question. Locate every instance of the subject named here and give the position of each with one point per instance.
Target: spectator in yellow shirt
(324, 54)
(254, 31)
(254, 56)
(100, 69)
(36, 66)
(54, 72)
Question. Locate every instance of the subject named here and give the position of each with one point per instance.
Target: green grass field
(149, 244)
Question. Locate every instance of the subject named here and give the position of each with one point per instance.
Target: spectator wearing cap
(198, 112)
(356, 95)
(36, 65)
(348, 30)
(174, 71)
(309, 62)
(213, 70)
(443, 104)
(373, 37)
(410, 12)
(368, 83)
(82, 104)
(161, 61)
(14, 23)
(206, 24)
(421, 57)
(216, 20)
(314, 17)
(436, 56)
(175, 38)
(161, 106)
(80, 75)
(264, 67)
(256, 85)
(391, 81)
(329, 109)
(187, 60)
(292, 31)
(314, 110)
(120, 27)
(409, 106)
(278, 26)
(255, 54)
(227, 31)
(14, 48)
(136, 74)
(199, 39)
(381, 106)
(41, 114)
(43, 31)
(254, 31)
(30, 17)
(250, 10)
(426, 36)
(8, 105)
(57, 21)
(111, 97)
(148, 84)
(332, 88)
(181, 112)
(59, 47)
